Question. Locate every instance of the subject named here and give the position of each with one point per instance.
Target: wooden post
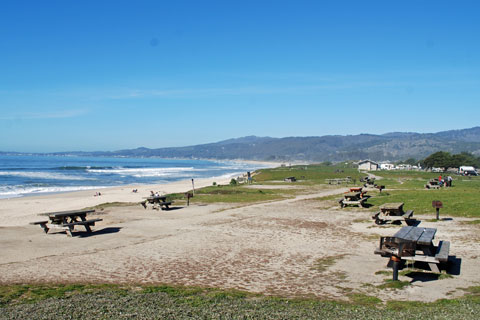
(193, 186)
(188, 195)
(395, 262)
(438, 213)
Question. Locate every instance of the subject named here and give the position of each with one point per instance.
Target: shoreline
(20, 211)
(34, 192)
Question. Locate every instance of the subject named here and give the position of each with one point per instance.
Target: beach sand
(276, 248)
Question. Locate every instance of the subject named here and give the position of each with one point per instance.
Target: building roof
(365, 161)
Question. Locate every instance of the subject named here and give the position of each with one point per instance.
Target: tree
(439, 159)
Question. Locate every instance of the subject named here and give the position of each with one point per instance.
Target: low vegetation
(160, 302)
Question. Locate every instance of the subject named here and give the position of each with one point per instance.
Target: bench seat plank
(442, 251)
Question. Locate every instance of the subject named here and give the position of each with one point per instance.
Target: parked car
(470, 173)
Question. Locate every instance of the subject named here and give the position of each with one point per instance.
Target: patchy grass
(474, 222)
(103, 206)
(161, 302)
(390, 284)
(363, 299)
(322, 264)
(236, 194)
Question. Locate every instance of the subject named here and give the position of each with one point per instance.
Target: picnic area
(270, 238)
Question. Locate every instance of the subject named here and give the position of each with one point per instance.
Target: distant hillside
(390, 146)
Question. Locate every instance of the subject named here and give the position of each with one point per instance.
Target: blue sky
(108, 75)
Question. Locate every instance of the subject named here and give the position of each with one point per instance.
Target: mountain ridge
(389, 146)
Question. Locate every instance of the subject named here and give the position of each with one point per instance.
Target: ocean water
(31, 174)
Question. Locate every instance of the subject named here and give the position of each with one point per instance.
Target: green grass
(234, 194)
(106, 205)
(32, 293)
(321, 265)
(391, 284)
(308, 175)
(461, 200)
(161, 302)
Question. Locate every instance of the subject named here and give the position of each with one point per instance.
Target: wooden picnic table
(393, 212)
(67, 220)
(157, 202)
(353, 198)
(433, 184)
(415, 244)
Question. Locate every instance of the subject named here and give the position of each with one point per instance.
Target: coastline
(20, 211)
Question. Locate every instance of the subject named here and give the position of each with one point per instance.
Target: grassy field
(461, 200)
(167, 302)
(403, 186)
(307, 175)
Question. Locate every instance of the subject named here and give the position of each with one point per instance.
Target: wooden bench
(443, 250)
(165, 205)
(42, 224)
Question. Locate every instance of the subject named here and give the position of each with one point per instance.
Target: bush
(233, 182)
(214, 183)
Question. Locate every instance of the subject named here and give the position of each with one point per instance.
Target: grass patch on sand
(322, 264)
(234, 194)
(391, 284)
(169, 302)
(103, 206)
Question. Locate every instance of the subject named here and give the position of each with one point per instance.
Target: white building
(368, 165)
(387, 166)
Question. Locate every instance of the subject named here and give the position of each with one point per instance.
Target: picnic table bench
(66, 221)
(414, 244)
(433, 184)
(353, 198)
(157, 202)
(356, 189)
(393, 212)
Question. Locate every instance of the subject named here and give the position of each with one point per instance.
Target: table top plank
(66, 213)
(422, 236)
(402, 232)
(392, 206)
(427, 236)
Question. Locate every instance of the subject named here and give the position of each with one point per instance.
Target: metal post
(193, 187)
(395, 262)
(438, 213)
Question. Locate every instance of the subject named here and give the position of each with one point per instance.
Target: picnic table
(353, 198)
(393, 212)
(414, 244)
(369, 182)
(157, 202)
(433, 184)
(67, 220)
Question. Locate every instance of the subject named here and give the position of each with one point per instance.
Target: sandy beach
(272, 248)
